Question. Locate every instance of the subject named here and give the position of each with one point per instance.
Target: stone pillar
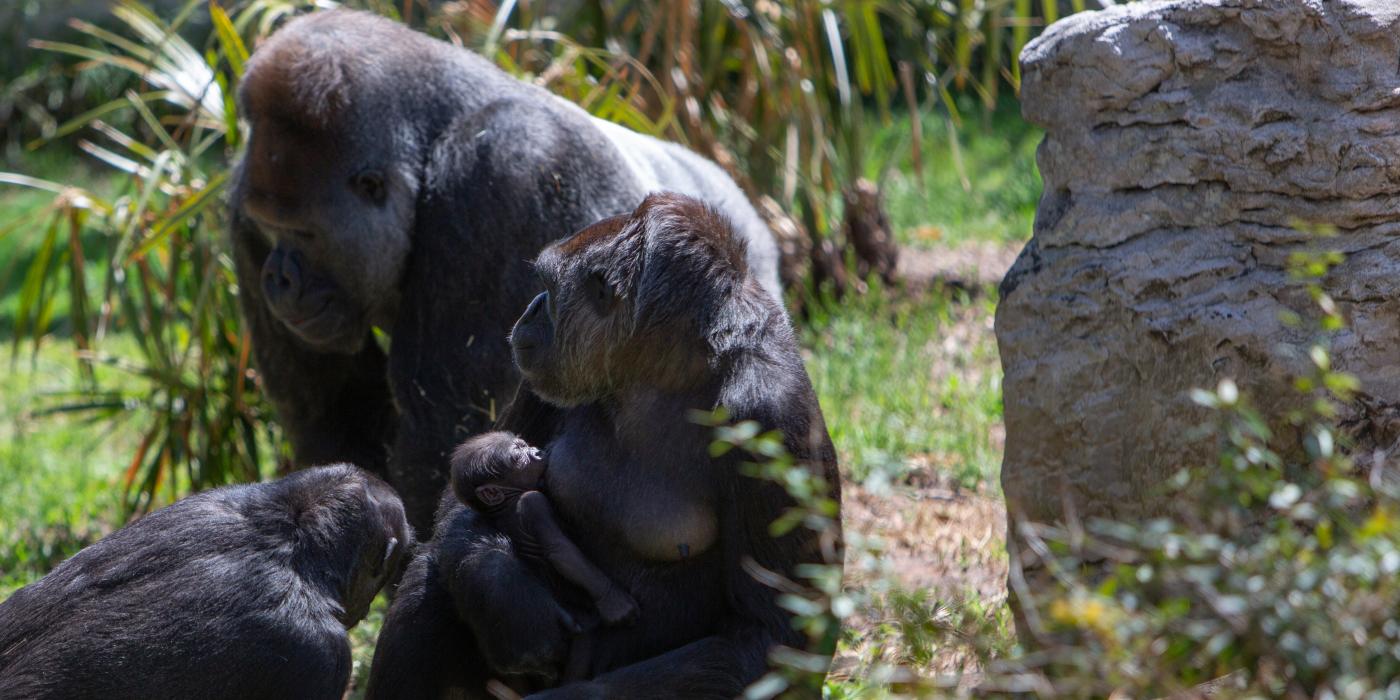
(1185, 143)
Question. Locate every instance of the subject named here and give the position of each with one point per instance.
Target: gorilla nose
(283, 271)
(536, 306)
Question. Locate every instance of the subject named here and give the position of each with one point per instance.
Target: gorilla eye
(599, 292)
(369, 185)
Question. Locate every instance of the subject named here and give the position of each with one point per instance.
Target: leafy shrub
(148, 264)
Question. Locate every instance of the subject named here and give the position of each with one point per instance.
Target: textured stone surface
(1185, 141)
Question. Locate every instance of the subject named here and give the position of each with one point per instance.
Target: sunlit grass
(58, 476)
(982, 185)
(905, 381)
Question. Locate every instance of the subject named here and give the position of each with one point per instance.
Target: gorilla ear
(389, 550)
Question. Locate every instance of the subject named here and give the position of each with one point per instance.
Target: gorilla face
(630, 301)
(388, 541)
(336, 211)
(573, 338)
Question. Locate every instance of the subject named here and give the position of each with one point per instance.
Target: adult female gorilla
(647, 318)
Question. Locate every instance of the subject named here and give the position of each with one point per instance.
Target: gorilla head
(331, 182)
(612, 314)
(366, 505)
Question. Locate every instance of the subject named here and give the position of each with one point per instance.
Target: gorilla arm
(537, 517)
(334, 407)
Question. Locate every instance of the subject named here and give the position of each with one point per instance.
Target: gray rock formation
(1185, 142)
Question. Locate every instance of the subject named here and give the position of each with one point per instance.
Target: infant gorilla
(500, 476)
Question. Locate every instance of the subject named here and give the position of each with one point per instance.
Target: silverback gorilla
(645, 318)
(399, 182)
(238, 592)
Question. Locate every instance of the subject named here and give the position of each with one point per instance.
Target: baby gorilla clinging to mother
(501, 476)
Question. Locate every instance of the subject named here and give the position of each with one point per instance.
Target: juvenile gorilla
(645, 318)
(397, 182)
(238, 592)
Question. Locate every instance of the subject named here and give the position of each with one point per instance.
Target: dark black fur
(239, 592)
(646, 318)
(398, 182)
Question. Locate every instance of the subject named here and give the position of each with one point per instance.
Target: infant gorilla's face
(527, 466)
(522, 453)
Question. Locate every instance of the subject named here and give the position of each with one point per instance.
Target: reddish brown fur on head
(331, 174)
(306, 73)
(288, 82)
(594, 234)
(632, 299)
(694, 223)
(296, 92)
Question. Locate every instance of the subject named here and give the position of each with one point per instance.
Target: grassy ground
(979, 182)
(909, 381)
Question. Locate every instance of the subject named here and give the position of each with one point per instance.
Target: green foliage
(868, 347)
(981, 182)
(819, 600)
(147, 264)
(782, 94)
(851, 587)
(55, 487)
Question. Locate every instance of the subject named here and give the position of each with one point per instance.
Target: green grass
(980, 186)
(58, 476)
(905, 381)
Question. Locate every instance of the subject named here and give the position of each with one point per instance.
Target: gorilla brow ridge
(305, 75)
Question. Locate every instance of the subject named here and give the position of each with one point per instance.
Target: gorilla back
(399, 182)
(239, 592)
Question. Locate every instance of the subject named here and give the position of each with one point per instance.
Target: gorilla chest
(658, 504)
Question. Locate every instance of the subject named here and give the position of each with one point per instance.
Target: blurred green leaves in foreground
(1278, 576)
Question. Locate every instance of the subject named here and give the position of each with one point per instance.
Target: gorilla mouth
(298, 322)
(326, 324)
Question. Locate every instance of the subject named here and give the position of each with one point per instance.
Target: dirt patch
(945, 542)
(938, 537)
(973, 265)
